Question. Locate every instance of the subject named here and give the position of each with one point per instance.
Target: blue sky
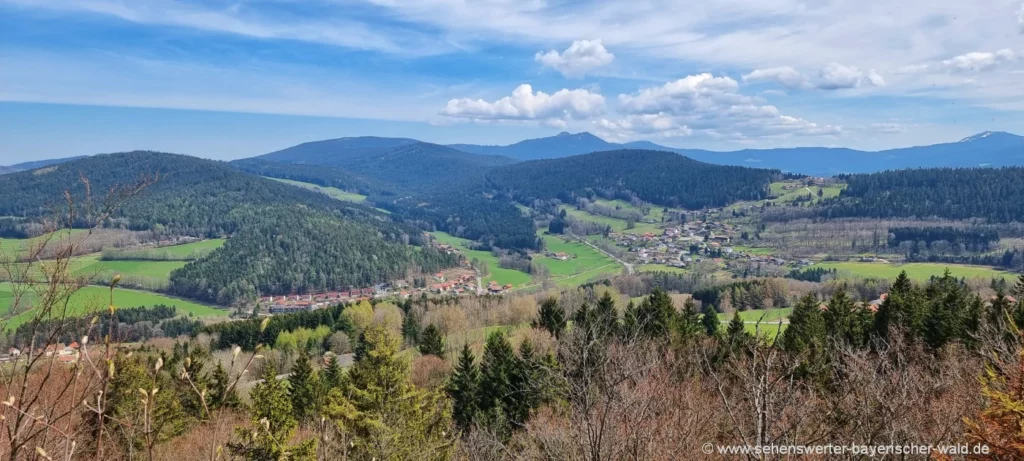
(229, 79)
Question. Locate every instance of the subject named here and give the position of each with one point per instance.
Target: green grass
(186, 250)
(585, 264)
(95, 298)
(153, 269)
(617, 225)
(331, 191)
(916, 271)
(764, 315)
(784, 196)
(13, 247)
(753, 250)
(499, 275)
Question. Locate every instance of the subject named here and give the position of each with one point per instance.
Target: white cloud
(833, 76)
(706, 104)
(1020, 19)
(836, 76)
(331, 29)
(579, 59)
(785, 76)
(525, 104)
(978, 61)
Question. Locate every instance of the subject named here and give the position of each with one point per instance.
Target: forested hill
(995, 194)
(191, 196)
(662, 178)
(393, 161)
(282, 250)
(315, 174)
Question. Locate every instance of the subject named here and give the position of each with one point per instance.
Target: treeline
(745, 295)
(281, 250)
(130, 324)
(956, 239)
(953, 193)
(661, 178)
(812, 274)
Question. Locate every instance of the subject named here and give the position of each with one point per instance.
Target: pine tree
(736, 332)
(220, 395)
(411, 327)
(844, 321)
(274, 422)
(606, 316)
(431, 342)
(709, 320)
(302, 387)
(501, 387)
(382, 414)
(464, 388)
(687, 323)
(656, 315)
(551, 317)
(901, 308)
(332, 373)
(630, 322)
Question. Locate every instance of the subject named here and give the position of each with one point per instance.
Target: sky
(229, 79)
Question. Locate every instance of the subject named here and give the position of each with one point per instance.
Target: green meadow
(617, 225)
(11, 248)
(96, 298)
(585, 263)
(916, 271)
(331, 191)
(499, 275)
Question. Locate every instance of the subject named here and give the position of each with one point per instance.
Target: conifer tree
(332, 373)
(382, 414)
(606, 316)
(302, 387)
(709, 320)
(273, 422)
(431, 342)
(501, 386)
(464, 388)
(551, 317)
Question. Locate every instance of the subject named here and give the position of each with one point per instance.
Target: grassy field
(585, 264)
(13, 247)
(93, 298)
(753, 250)
(331, 191)
(153, 269)
(782, 195)
(617, 225)
(499, 275)
(184, 251)
(916, 271)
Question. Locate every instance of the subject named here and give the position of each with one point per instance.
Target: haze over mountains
(403, 159)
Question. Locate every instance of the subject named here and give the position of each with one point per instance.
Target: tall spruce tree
(551, 317)
(431, 342)
(607, 318)
(382, 414)
(656, 315)
(709, 320)
(501, 382)
(303, 387)
(464, 389)
(274, 422)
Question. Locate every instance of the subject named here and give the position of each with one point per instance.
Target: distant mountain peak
(564, 133)
(987, 134)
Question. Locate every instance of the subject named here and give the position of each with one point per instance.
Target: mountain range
(980, 150)
(402, 160)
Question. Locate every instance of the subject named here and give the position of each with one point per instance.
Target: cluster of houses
(454, 282)
(673, 246)
(65, 353)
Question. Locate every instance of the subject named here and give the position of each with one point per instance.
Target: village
(683, 245)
